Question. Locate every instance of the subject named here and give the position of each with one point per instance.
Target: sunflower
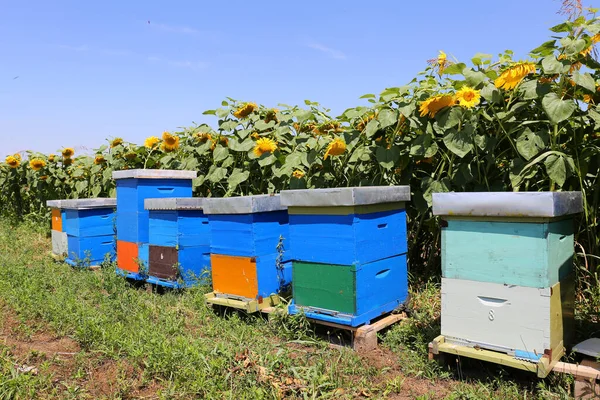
(151, 142)
(51, 157)
(434, 104)
(17, 156)
(594, 39)
(512, 76)
(264, 145)
(271, 115)
(298, 174)
(202, 137)
(244, 110)
(335, 148)
(309, 127)
(43, 177)
(468, 97)
(222, 139)
(67, 161)
(116, 142)
(255, 135)
(328, 127)
(13, 161)
(130, 156)
(442, 62)
(362, 124)
(68, 152)
(99, 159)
(37, 163)
(170, 142)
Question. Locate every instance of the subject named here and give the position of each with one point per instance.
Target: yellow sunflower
(13, 161)
(170, 142)
(264, 145)
(51, 157)
(202, 137)
(99, 159)
(36, 164)
(244, 110)
(335, 148)
(442, 62)
(116, 142)
(512, 76)
(131, 155)
(68, 152)
(151, 142)
(434, 104)
(271, 115)
(298, 174)
(468, 97)
(67, 161)
(17, 156)
(594, 39)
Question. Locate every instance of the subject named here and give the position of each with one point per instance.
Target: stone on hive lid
(82, 204)
(154, 174)
(174, 203)
(243, 204)
(508, 204)
(350, 196)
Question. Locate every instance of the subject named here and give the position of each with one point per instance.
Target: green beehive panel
(532, 254)
(326, 286)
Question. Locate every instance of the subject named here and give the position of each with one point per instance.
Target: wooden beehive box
(249, 253)
(507, 269)
(179, 242)
(349, 250)
(133, 187)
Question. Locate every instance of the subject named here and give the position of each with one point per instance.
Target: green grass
(172, 345)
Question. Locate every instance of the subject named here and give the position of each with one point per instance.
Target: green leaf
(217, 174)
(228, 125)
(460, 143)
(387, 158)
(220, 153)
(595, 115)
(455, 69)
(372, 127)
(387, 117)
(556, 168)
(573, 46)
(449, 117)
(477, 58)
(532, 89)
(430, 186)
(491, 94)
(564, 27)
(368, 96)
(551, 65)
(237, 176)
(557, 110)
(516, 175)
(361, 153)
(262, 126)
(295, 159)
(529, 143)
(244, 146)
(545, 49)
(423, 146)
(474, 78)
(266, 160)
(222, 112)
(584, 80)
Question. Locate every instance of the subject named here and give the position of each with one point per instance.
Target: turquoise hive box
(179, 242)
(349, 250)
(507, 271)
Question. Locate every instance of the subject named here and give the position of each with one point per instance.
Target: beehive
(249, 258)
(179, 242)
(90, 230)
(133, 187)
(59, 236)
(507, 270)
(349, 252)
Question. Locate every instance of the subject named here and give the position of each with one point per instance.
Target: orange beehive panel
(127, 254)
(234, 275)
(56, 220)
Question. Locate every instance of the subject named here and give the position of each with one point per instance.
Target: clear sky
(73, 73)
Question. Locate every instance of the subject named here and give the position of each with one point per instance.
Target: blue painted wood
(131, 193)
(93, 222)
(92, 249)
(381, 286)
(133, 226)
(249, 235)
(348, 239)
(272, 278)
(179, 228)
(528, 254)
(144, 254)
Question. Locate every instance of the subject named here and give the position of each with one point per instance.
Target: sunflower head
(67, 161)
(116, 142)
(151, 142)
(434, 104)
(513, 75)
(244, 110)
(130, 155)
(202, 137)
(51, 157)
(468, 97)
(264, 145)
(99, 159)
(170, 142)
(271, 115)
(37, 163)
(298, 174)
(68, 152)
(336, 147)
(43, 177)
(362, 123)
(221, 140)
(13, 161)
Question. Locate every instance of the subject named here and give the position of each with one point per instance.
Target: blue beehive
(133, 187)
(90, 228)
(349, 252)
(179, 242)
(249, 252)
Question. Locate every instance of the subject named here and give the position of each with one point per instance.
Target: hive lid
(351, 196)
(154, 174)
(174, 203)
(243, 204)
(589, 347)
(508, 204)
(82, 204)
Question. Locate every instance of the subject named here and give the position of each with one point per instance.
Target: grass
(140, 343)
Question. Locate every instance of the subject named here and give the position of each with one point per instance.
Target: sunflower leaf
(556, 168)
(455, 69)
(557, 109)
(474, 78)
(220, 153)
(491, 94)
(372, 127)
(545, 49)
(584, 80)
(237, 176)
(387, 158)
(387, 117)
(551, 65)
(460, 142)
(529, 143)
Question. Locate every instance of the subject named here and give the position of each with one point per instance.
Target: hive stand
(507, 276)
(249, 261)
(133, 188)
(89, 227)
(349, 252)
(179, 242)
(59, 236)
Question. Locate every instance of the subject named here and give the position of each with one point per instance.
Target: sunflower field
(490, 124)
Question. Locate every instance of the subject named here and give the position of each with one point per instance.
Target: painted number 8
(491, 315)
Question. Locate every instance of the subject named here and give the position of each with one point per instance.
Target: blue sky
(88, 71)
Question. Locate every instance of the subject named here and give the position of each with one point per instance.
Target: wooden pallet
(247, 305)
